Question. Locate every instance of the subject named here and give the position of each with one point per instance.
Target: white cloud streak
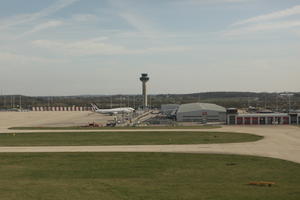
(84, 18)
(26, 18)
(6, 57)
(43, 26)
(264, 22)
(141, 25)
(271, 16)
(262, 27)
(137, 22)
(97, 46)
(201, 2)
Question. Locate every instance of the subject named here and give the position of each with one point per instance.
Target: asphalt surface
(281, 142)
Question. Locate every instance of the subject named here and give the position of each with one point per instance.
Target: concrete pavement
(281, 142)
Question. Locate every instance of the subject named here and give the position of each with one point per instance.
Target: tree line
(273, 101)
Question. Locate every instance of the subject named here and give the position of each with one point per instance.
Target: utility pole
(20, 106)
(12, 103)
(2, 97)
(110, 102)
(290, 101)
(121, 101)
(248, 100)
(277, 103)
(48, 102)
(4, 101)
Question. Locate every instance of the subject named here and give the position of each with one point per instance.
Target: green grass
(122, 138)
(116, 128)
(144, 176)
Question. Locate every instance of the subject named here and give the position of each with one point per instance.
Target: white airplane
(112, 111)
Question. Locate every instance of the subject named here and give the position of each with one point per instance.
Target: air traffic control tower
(144, 78)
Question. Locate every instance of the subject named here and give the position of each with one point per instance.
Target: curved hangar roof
(200, 106)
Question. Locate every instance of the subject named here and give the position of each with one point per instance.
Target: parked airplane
(112, 111)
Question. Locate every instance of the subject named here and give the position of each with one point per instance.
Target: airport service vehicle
(112, 111)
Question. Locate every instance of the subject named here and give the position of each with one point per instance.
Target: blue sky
(70, 47)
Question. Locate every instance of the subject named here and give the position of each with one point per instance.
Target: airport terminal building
(212, 113)
(201, 112)
(169, 109)
(263, 119)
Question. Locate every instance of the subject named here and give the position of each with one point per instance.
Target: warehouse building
(201, 112)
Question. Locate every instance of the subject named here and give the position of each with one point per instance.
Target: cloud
(6, 57)
(137, 22)
(271, 16)
(200, 2)
(26, 18)
(43, 26)
(143, 27)
(264, 22)
(262, 27)
(297, 32)
(83, 47)
(84, 17)
(98, 46)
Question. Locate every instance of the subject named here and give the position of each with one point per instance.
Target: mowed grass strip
(121, 138)
(116, 128)
(135, 176)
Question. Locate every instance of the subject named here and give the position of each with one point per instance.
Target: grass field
(113, 128)
(144, 176)
(121, 138)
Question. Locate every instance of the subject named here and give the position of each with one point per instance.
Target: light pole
(289, 95)
(110, 102)
(20, 107)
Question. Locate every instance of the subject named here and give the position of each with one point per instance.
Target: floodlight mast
(144, 78)
(289, 95)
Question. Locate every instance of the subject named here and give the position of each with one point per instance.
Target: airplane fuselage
(112, 111)
(115, 110)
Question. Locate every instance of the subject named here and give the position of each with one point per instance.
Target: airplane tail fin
(94, 107)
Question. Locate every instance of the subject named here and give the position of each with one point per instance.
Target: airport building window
(270, 120)
(286, 120)
(247, 120)
(293, 118)
(232, 120)
(254, 120)
(240, 120)
(262, 120)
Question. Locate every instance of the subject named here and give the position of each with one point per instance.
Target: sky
(74, 47)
